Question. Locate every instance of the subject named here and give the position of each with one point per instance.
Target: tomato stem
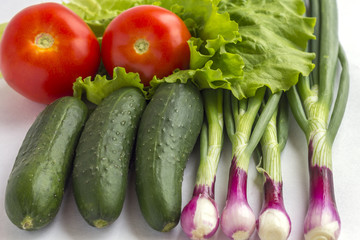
(44, 40)
(141, 46)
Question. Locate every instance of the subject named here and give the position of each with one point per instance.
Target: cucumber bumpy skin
(168, 131)
(103, 154)
(36, 184)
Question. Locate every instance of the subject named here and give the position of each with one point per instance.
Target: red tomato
(44, 49)
(146, 39)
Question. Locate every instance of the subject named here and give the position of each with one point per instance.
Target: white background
(17, 114)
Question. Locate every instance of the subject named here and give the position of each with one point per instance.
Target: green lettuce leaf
(267, 49)
(96, 90)
(99, 13)
(211, 64)
(274, 37)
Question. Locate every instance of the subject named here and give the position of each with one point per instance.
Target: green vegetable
(273, 220)
(236, 45)
(200, 217)
(245, 127)
(96, 90)
(167, 134)
(274, 35)
(311, 102)
(102, 157)
(36, 184)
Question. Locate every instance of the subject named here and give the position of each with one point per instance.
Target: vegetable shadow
(135, 223)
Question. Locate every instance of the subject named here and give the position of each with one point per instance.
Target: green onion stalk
(245, 130)
(273, 221)
(319, 117)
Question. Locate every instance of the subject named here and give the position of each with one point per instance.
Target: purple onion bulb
(322, 220)
(200, 217)
(237, 219)
(274, 222)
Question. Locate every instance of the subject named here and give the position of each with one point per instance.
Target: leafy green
(99, 13)
(274, 37)
(96, 90)
(236, 44)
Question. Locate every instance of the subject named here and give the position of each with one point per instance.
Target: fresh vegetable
(168, 131)
(44, 48)
(146, 39)
(311, 101)
(36, 184)
(237, 219)
(228, 48)
(96, 90)
(103, 154)
(200, 217)
(274, 35)
(273, 53)
(273, 221)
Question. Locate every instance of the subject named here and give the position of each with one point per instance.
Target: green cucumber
(168, 131)
(36, 184)
(102, 157)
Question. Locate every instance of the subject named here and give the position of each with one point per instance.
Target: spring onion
(273, 222)
(237, 219)
(311, 101)
(200, 217)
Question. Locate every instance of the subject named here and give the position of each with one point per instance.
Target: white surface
(17, 114)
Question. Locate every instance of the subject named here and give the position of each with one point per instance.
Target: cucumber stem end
(169, 226)
(100, 223)
(27, 223)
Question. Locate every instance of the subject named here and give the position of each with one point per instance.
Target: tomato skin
(165, 32)
(45, 74)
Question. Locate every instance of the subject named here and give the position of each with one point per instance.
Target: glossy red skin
(44, 75)
(164, 30)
